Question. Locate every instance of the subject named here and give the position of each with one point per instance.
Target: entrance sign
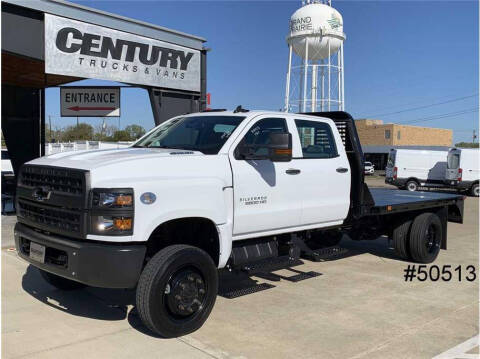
(80, 49)
(90, 101)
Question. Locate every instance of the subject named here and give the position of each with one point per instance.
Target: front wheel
(411, 186)
(474, 191)
(177, 290)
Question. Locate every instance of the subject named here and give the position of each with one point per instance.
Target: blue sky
(398, 55)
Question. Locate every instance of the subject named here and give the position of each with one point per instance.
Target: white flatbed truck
(208, 191)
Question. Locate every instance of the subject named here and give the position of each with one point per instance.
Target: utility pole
(77, 121)
(474, 136)
(50, 126)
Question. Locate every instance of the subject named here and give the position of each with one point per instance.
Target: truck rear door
(389, 170)
(324, 178)
(453, 164)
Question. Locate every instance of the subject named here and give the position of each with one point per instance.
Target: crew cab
(207, 191)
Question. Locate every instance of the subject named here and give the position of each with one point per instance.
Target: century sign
(90, 101)
(80, 49)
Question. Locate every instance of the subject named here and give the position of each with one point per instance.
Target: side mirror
(280, 147)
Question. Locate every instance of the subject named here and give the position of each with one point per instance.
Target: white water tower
(315, 75)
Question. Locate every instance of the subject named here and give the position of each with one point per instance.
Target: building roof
(113, 21)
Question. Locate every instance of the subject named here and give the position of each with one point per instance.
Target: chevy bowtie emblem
(41, 194)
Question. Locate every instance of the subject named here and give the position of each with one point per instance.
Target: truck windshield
(453, 161)
(206, 134)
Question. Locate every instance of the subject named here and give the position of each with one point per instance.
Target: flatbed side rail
(455, 208)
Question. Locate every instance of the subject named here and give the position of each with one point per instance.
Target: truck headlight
(112, 198)
(107, 224)
(111, 212)
(112, 225)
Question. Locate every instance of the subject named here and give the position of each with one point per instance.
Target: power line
(421, 107)
(399, 106)
(440, 116)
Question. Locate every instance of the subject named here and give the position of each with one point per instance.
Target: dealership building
(49, 43)
(377, 138)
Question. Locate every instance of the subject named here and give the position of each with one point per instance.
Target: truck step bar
(324, 254)
(271, 264)
(235, 293)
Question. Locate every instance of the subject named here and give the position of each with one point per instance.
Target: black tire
(400, 238)
(425, 238)
(474, 190)
(60, 282)
(411, 186)
(166, 292)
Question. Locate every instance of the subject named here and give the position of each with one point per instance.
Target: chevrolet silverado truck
(212, 190)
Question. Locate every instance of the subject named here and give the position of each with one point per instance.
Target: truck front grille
(61, 180)
(51, 219)
(54, 186)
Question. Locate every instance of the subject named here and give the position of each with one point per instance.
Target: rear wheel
(474, 191)
(177, 290)
(425, 237)
(411, 186)
(60, 282)
(400, 238)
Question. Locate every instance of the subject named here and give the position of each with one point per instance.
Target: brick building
(376, 133)
(377, 138)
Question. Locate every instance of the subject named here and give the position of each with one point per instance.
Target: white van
(463, 169)
(410, 169)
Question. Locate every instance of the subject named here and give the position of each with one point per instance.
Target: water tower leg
(300, 89)
(329, 75)
(305, 79)
(314, 87)
(322, 104)
(339, 83)
(343, 78)
(287, 87)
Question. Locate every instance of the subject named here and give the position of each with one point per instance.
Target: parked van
(410, 169)
(463, 169)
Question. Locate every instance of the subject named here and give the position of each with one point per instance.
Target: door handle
(292, 171)
(342, 169)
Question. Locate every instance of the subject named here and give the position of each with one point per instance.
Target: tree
(121, 135)
(135, 131)
(54, 135)
(82, 131)
(104, 133)
(467, 145)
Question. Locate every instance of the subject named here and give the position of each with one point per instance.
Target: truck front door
(265, 194)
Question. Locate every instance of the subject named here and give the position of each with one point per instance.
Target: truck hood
(89, 160)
